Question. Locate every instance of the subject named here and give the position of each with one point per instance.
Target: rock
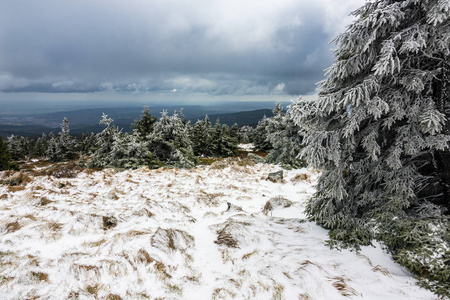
(109, 222)
(275, 176)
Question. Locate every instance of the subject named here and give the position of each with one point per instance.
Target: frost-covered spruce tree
(200, 137)
(285, 139)
(222, 141)
(380, 133)
(170, 143)
(259, 136)
(63, 146)
(245, 134)
(19, 147)
(102, 156)
(145, 125)
(129, 151)
(41, 146)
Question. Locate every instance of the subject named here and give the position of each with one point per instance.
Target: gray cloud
(202, 46)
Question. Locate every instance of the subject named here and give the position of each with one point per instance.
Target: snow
(176, 239)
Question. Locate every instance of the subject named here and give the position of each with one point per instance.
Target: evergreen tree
(221, 140)
(88, 143)
(62, 147)
(5, 156)
(380, 133)
(285, 138)
(102, 156)
(145, 125)
(200, 137)
(19, 147)
(41, 146)
(259, 136)
(169, 142)
(245, 134)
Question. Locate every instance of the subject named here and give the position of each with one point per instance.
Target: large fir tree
(380, 133)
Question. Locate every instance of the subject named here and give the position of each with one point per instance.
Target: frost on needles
(380, 133)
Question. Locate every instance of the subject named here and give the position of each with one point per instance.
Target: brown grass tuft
(209, 199)
(301, 177)
(44, 201)
(93, 289)
(61, 170)
(342, 287)
(16, 179)
(248, 255)
(384, 271)
(222, 293)
(113, 297)
(39, 276)
(12, 227)
(219, 165)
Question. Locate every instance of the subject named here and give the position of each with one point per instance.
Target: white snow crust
(176, 239)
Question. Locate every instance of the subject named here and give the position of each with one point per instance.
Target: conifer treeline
(169, 140)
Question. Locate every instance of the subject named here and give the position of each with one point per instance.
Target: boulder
(275, 176)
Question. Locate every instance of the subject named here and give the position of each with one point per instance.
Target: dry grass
(113, 297)
(61, 170)
(40, 276)
(12, 227)
(287, 275)
(54, 226)
(95, 244)
(384, 271)
(175, 289)
(219, 165)
(209, 199)
(16, 179)
(222, 293)
(31, 217)
(278, 291)
(248, 255)
(3, 196)
(44, 201)
(93, 289)
(301, 177)
(340, 284)
(303, 297)
(145, 258)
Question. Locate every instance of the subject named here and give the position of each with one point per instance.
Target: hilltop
(212, 232)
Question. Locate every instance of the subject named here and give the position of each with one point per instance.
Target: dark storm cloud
(227, 47)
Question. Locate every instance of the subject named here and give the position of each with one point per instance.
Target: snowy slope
(170, 234)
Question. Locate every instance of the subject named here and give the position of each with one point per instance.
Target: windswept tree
(380, 133)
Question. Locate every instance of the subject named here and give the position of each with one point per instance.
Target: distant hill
(242, 118)
(87, 120)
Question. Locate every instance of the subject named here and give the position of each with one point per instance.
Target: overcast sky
(199, 48)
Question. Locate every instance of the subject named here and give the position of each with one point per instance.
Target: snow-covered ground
(205, 233)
